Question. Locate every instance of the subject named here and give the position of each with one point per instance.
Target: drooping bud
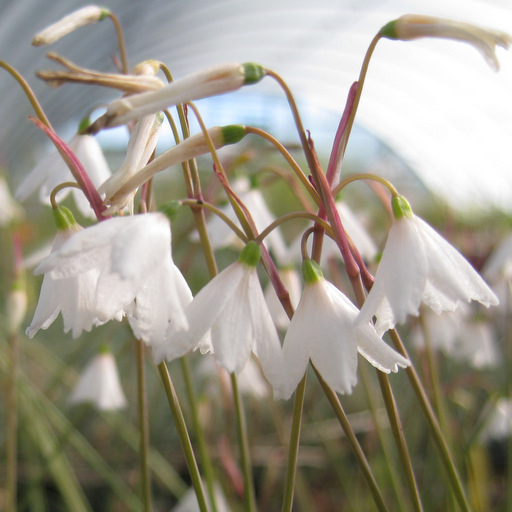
(202, 84)
(84, 16)
(192, 147)
(415, 26)
(401, 207)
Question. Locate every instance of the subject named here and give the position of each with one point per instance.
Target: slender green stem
(199, 433)
(144, 428)
(243, 442)
(186, 444)
(28, 91)
(293, 447)
(354, 443)
(12, 426)
(435, 429)
(364, 176)
(398, 434)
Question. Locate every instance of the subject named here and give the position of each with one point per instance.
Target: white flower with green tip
(418, 265)
(322, 330)
(233, 309)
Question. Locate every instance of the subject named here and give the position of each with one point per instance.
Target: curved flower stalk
(53, 170)
(128, 265)
(99, 384)
(415, 26)
(212, 81)
(80, 18)
(418, 265)
(143, 140)
(221, 235)
(322, 330)
(232, 307)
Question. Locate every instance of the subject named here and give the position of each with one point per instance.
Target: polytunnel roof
(435, 103)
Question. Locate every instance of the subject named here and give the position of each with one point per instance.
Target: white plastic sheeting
(435, 103)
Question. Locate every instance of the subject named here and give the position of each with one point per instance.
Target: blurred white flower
(221, 234)
(52, 171)
(99, 384)
(419, 265)
(499, 264)
(291, 281)
(322, 330)
(414, 26)
(497, 421)
(10, 210)
(233, 308)
(188, 502)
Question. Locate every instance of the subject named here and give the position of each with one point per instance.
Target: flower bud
(415, 26)
(81, 17)
(209, 82)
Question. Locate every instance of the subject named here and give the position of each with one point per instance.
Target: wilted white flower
(414, 26)
(419, 265)
(52, 171)
(202, 84)
(100, 385)
(322, 330)
(142, 143)
(84, 16)
(232, 307)
(128, 264)
(187, 149)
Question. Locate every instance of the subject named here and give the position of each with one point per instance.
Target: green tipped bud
(311, 272)
(250, 255)
(84, 124)
(233, 133)
(389, 30)
(401, 207)
(170, 209)
(64, 219)
(253, 73)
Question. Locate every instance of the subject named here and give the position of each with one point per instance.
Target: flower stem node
(311, 272)
(64, 219)
(253, 73)
(250, 255)
(415, 26)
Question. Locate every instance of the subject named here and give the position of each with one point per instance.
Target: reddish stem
(76, 168)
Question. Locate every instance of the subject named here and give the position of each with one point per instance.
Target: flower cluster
(122, 267)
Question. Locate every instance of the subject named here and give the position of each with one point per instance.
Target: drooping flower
(497, 421)
(99, 384)
(128, 264)
(419, 265)
(192, 147)
(52, 171)
(414, 26)
(322, 330)
(73, 296)
(232, 307)
(212, 81)
(79, 18)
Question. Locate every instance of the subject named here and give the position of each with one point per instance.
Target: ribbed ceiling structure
(435, 103)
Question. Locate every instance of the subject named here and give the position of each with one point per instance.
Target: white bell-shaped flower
(99, 384)
(232, 307)
(419, 265)
(322, 330)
